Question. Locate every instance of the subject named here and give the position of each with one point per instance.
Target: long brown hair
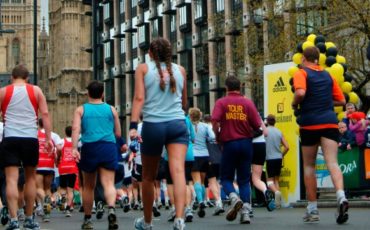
(161, 51)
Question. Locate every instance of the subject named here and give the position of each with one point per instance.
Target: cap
(357, 115)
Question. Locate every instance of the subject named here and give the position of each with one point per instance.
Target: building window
(157, 28)
(134, 41)
(198, 9)
(183, 16)
(16, 51)
(107, 50)
(220, 6)
(143, 34)
(123, 46)
(122, 6)
(108, 12)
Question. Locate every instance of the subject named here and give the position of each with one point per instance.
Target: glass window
(146, 16)
(198, 9)
(146, 57)
(301, 24)
(220, 6)
(122, 6)
(16, 51)
(157, 29)
(111, 32)
(134, 22)
(183, 16)
(123, 46)
(141, 34)
(107, 50)
(133, 3)
(123, 28)
(159, 9)
(134, 41)
(107, 11)
(135, 63)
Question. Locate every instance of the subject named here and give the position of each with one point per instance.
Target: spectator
(358, 126)
(350, 108)
(346, 138)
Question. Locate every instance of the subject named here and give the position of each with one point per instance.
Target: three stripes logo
(279, 86)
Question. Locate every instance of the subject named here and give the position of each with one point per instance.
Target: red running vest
(46, 160)
(67, 163)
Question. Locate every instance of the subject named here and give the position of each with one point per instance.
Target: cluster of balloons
(332, 62)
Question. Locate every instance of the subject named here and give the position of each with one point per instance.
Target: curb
(353, 203)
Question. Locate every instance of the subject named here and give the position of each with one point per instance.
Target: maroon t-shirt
(237, 115)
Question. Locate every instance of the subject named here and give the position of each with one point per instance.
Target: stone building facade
(16, 47)
(65, 67)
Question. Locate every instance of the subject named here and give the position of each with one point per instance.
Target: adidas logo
(279, 86)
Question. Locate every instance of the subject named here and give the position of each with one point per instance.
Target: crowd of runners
(175, 158)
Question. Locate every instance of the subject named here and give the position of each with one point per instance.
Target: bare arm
(216, 129)
(139, 97)
(76, 130)
(184, 90)
(285, 145)
(117, 125)
(298, 97)
(43, 108)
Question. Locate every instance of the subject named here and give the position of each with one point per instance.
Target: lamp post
(35, 42)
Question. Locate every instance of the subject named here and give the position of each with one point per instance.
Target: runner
(233, 119)
(45, 171)
(274, 157)
(316, 93)
(163, 125)
(20, 104)
(99, 126)
(68, 172)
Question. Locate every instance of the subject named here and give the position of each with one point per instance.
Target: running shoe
(13, 225)
(87, 224)
(21, 215)
(112, 219)
(270, 200)
(31, 224)
(141, 225)
(312, 216)
(62, 204)
(167, 205)
(126, 204)
(68, 213)
(171, 216)
(236, 205)
(99, 210)
(202, 210)
(156, 212)
(278, 199)
(179, 224)
(188, 215)
(342, 213)
(219, 209)
(4, 215)
(39, 211)
(195, 205)
(159, 204)
(46, 218)
(244, 214)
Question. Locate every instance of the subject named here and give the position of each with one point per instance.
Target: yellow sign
(278, 98)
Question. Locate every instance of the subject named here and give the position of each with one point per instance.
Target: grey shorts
(156, 135)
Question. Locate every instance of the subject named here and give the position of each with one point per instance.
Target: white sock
(312, 205)
(340, 195)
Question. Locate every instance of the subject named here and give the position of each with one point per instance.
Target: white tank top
(20, 117)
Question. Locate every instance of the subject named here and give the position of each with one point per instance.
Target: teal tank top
(97, 123)
(161, 106)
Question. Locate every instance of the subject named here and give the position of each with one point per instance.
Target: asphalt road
(286, 218)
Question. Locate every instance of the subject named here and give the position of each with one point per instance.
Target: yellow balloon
(292, 70)
(329, 45)
(339, 79)
(353, 97)
(322, 59)
(346, 87)
(341, 59)
(297, 58)
(307, 44)
(341, 115)
(311, 38)
(338, 109)
(337, 69)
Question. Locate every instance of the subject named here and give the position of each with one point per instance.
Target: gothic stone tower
(69, 65)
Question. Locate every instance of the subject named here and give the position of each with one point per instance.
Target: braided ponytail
(161, 52)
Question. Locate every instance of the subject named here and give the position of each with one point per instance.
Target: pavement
(281, 219)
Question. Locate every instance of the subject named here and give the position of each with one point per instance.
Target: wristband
(133, 125)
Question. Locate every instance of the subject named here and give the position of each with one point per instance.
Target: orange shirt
(300, 83)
